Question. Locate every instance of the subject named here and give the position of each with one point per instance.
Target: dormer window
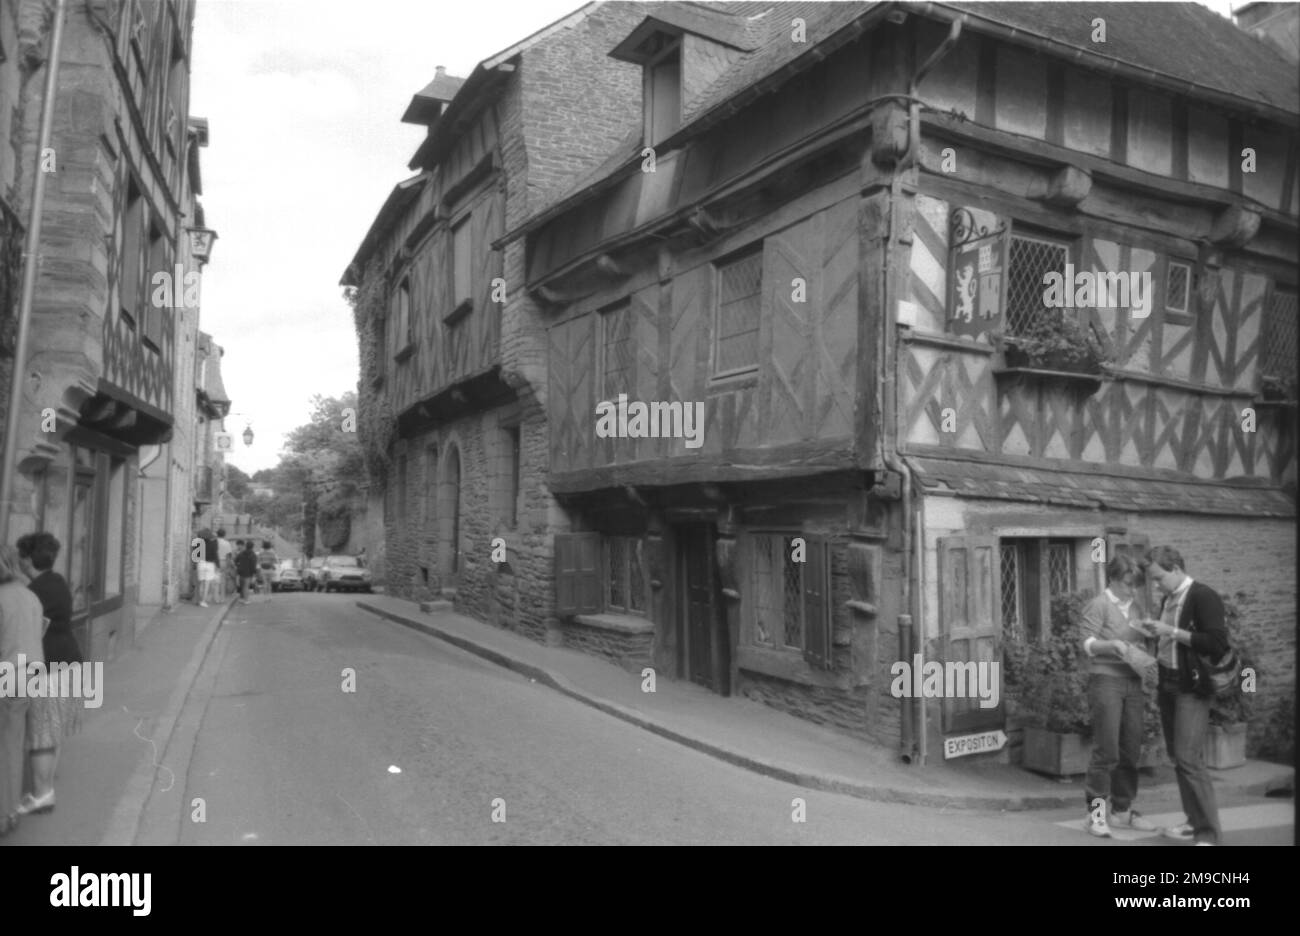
(662, 94)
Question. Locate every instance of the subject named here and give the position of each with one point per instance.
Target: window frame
(634, 553)
(747, 253)
(1266, 331)
(605, 314)
(404, 332)
(1032, 552)
(461, 304)
(1187, 314)
(821, 567)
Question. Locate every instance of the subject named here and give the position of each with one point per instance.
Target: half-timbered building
(99, 390)
(833, 227)
(453, 379)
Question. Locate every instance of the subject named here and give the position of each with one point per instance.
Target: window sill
(458, 313)
(790, 666)
(617, 623)
(737, 380)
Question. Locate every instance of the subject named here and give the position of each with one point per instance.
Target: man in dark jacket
(1191, 627)
(246, 566)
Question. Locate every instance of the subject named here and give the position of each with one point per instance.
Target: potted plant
(1280, 390)
(1055, 340)
(1047, 686)
(1225, 741)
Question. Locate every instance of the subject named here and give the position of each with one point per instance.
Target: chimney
(1278, 24)
(439, 71)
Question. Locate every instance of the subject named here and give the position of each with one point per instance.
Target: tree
(322, 460)
(236, 482)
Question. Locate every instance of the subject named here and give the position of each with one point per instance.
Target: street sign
(223, 441)
(980, 743)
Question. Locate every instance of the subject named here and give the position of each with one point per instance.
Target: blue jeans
(1117, 722)
(1186, 720)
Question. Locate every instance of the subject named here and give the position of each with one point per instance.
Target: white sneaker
(1181, 832)
(1132, 819)
(203, 604)
(1097, 827)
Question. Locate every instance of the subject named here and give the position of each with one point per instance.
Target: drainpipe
(912, 715)
(31, 267)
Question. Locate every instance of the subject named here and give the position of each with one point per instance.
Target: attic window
(663, 89)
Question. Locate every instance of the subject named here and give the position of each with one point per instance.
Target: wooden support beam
(1234, 226)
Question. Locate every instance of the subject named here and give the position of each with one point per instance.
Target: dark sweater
(56, 603)
(1202, 614)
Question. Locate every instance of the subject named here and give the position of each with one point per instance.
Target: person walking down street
(1191, 626)
(225, 570)
(50, 718)
(268, 561)
(20, 634)
(246, 566)
(1114, 647)
(206, 565)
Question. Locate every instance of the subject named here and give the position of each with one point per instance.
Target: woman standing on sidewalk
(1117, 700)
(20, 633)
(49, 719)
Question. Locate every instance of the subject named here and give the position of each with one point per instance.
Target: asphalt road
(436, 746)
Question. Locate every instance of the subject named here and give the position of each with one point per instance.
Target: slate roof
(1181, 41)
(1090, 490)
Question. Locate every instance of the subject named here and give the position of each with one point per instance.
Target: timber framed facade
(100, 406)
(878, 472)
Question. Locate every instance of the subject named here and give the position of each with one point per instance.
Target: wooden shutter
(970, 588)
(1135, 546)
(577, 573)
(816, 603)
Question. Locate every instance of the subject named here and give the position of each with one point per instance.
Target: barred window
(616, 351)
(740, 295)
(1031, 259)
(788, 606)
(1279, 356)
(624, 577)
(1034, 571)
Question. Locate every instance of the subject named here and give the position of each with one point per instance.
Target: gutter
(31, 269)
(912, 710)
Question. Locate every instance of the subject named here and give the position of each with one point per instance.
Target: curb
(829, 783)
(124, 826)
(799, 777)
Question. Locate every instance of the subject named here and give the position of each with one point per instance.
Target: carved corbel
(607, 265)
(888, 134)
(704, 224)
(1069, 186)
(864, 573)
(1234, 227)
(725, 552)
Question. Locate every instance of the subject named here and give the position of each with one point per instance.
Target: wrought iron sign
(977, 260)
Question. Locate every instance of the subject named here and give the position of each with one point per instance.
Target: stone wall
(631, 652)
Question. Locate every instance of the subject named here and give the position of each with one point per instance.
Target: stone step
(433, 607)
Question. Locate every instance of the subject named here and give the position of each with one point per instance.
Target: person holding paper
(1115, 660)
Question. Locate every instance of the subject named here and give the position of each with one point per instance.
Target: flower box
(1059, 754)
(1055, 753)
(1225, 746)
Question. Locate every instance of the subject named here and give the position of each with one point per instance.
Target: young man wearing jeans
(1118, 703)
(1191, 625)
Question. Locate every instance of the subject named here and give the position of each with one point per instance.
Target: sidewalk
(107, 770)
(759, 738)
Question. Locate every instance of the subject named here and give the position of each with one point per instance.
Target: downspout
(912, 714)
(31, 269)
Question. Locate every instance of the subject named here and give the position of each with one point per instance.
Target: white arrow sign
(974, 743)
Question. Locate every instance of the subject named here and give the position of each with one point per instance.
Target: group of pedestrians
(226, 567)
(1120, 645)
(36, 623)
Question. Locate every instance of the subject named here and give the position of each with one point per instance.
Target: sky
(304, 101)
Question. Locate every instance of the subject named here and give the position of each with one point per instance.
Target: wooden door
(704, 640)
(971, 618)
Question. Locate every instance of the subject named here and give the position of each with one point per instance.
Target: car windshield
(316, 563)
(289, 565)
(347, 561)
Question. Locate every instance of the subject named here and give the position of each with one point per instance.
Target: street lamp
(201, 240)
(248, 436)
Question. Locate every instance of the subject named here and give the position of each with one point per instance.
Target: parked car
(344, 572)
(311, 574)
(287, 577)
